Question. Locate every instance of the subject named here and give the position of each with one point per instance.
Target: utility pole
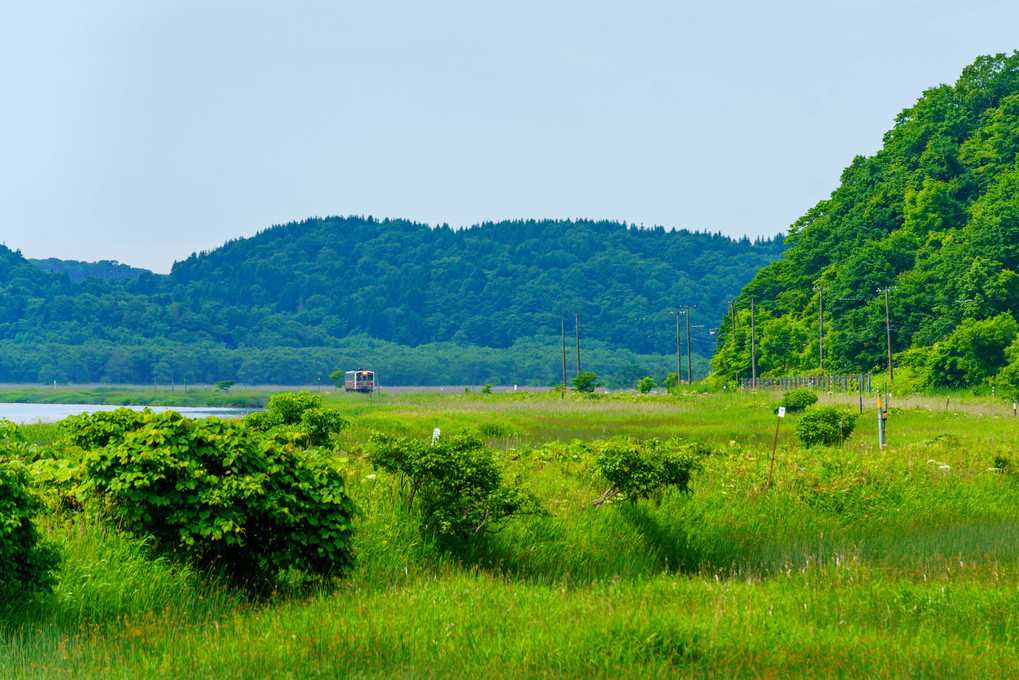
(753, 348)
(576, 320)
(820, 304)
(689, 372)
(888, 335)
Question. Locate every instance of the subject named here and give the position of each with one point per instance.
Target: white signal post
(774, 447)
(882, 416)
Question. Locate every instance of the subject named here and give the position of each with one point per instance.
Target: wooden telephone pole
(689, 372)
(888, 335)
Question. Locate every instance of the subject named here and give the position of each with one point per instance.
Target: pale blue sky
(145, 130)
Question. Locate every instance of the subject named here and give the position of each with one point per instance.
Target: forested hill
(421, 305)
(79, 271)
(934, 216)
(488, 285)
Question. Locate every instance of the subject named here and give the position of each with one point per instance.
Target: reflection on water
(51, 413)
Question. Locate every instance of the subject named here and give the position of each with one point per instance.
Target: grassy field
(137, 396)
(857, 563)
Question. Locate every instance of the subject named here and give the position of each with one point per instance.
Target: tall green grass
(137, 396)
(856, 562)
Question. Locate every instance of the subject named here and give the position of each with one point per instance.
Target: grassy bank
(857, 562)
(137, 396)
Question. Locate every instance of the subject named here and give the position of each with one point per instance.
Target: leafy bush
(298, 417)
(58, 481)
(671, 380)
(13, 443)
(797, 400)
(1007, 380)
(495, 428)
(646, 384)
(225, 495)
(560, 451)
(458, 482)
(639, 469)
(826, 425)
(1002, 464)
(26, 562)
(586, 381)
(96, 430)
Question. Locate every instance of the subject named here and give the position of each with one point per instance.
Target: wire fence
(843, 383)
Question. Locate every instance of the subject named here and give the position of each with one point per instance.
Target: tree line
(421, 305)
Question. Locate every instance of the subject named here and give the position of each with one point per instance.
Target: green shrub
(10, 437)
(26, 562)
(494, 428)
(225, 495)
(457, 481)
(96, 430)
(646, 384)
(14, 445)
(298, 417)
(640, 469)
(825, 425)
(557, 450)
(586, 381)
(58, 481)
(797, 400)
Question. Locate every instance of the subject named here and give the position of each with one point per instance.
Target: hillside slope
(488, 285)
(422, 305)
(934, 217)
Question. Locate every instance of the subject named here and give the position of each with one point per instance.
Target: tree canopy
(934, 217)
(421, 305)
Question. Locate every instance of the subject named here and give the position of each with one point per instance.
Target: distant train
(359, 380)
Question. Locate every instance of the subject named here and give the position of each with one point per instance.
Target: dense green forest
(934, 217)
(421, 305)
(79, 271)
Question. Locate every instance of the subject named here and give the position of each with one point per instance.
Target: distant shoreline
(247, 396)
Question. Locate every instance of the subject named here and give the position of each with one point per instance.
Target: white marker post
(881, 410)
(435, 436)
(774, 447)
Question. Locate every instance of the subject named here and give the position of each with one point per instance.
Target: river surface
(51, 413)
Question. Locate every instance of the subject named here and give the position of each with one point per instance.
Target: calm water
(51, 413)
